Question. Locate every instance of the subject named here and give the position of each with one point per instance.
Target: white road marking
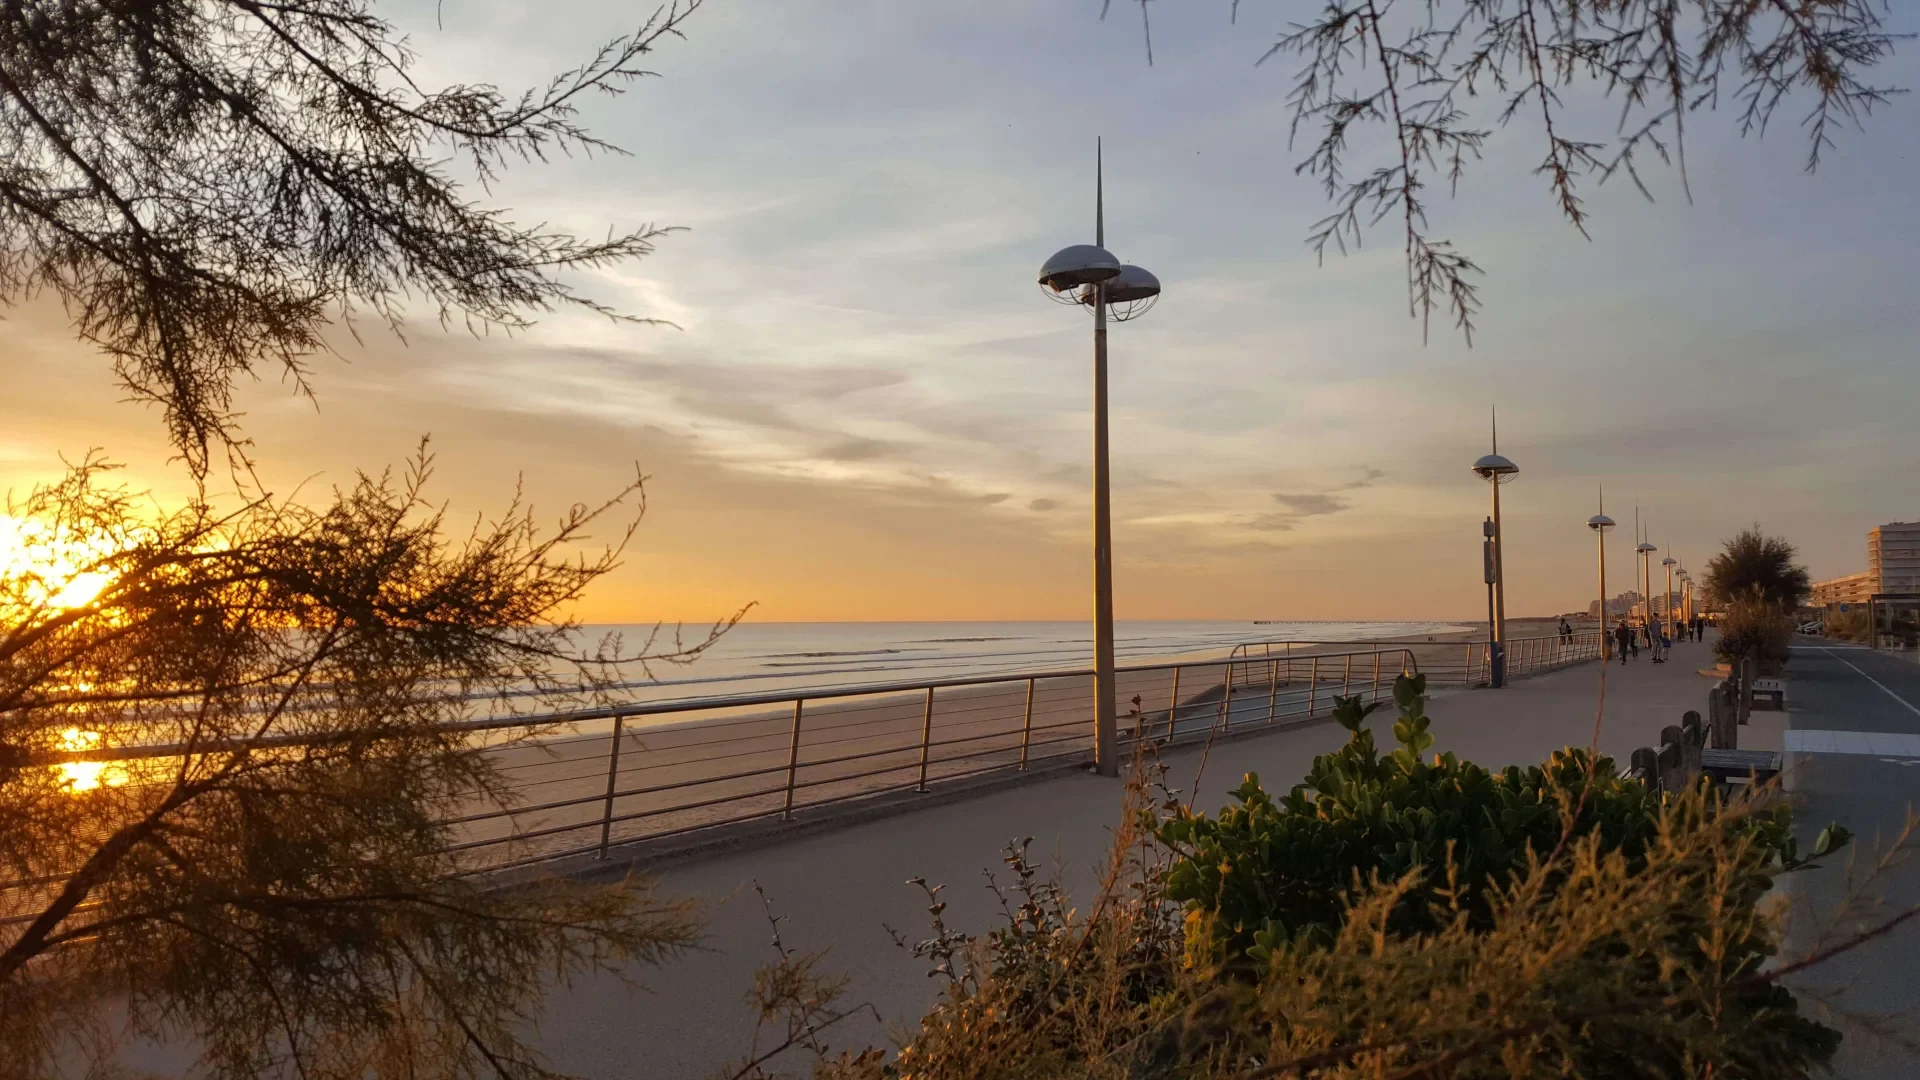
(1911, 707)
(1886, 745)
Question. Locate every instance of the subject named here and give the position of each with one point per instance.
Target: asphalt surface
(1870, 992)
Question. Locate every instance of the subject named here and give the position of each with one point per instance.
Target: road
(1852, 745)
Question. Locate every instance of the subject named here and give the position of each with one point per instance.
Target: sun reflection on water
(87, 775)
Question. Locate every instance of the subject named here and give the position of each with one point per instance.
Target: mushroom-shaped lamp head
(1600, 523)
(1080, 264)
(1494, 466)
(1130, 284)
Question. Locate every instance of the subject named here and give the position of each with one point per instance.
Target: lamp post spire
(1088, 276)
(1600, 523)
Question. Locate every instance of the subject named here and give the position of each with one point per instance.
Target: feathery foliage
(1755, 628)
(277, 888)
(1754, 565)
(207, 184)
(1421, 90)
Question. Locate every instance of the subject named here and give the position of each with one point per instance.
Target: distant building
(1618, 606)
(1893, 557)
(1851, 589)
(1661, 604)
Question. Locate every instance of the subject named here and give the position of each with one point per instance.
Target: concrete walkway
(842, 889)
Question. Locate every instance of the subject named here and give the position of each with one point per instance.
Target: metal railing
(1450, 663)
(599, 778)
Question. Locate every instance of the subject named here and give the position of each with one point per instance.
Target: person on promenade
(1566, 632)
(1623, 641)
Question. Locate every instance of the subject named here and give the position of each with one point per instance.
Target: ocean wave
(832, 654)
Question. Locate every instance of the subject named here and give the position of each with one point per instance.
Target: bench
(1773, 690)
(1730, 765)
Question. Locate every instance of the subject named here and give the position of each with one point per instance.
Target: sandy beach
(696, 768)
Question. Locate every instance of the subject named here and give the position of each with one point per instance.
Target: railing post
(1273, 690)
(1173, 705)
(1226, 701)
(926, 740)
(1346, 682)
(1376, 675)
(793, 761)
(1026, 727)
(1466, 673)
(613, 775)
(1313, 684)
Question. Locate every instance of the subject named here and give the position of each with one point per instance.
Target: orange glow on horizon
(47, 565)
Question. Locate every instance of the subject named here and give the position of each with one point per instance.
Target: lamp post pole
(1491, 573)
(1600, 523)
(1499, 585)
(1644, 550)
(1666, 599)
(1497, 470)
(1106, 713)
(1088, 275)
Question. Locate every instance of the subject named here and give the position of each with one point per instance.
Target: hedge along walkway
(841, 889)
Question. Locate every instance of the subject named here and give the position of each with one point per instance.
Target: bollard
(1645, 764)
(1694, 740)
(1721, 731)
(1672, 764)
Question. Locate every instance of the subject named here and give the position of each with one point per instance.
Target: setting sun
(49, 565)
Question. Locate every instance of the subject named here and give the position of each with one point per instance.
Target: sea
(772, 657)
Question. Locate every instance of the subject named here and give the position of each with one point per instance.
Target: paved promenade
(844, 887)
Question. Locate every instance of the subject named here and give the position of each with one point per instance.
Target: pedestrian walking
(1623, 640)
(1566, 632)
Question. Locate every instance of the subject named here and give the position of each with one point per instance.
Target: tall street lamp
(1645, 550)
(1089, 275)
(1497, 470)
(1666, 599)
(1600, 523)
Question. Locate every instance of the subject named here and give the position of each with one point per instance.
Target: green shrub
(1269, 870)
(1853, 625)
(1269, 877)
(1628, 946)
(1754, 628)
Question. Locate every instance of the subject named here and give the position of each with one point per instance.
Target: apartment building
(1851, 589)
(1893, 557)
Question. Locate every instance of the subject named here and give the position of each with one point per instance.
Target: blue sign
(1844, 607)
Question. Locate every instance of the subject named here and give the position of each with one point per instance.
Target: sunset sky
(868, 411)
